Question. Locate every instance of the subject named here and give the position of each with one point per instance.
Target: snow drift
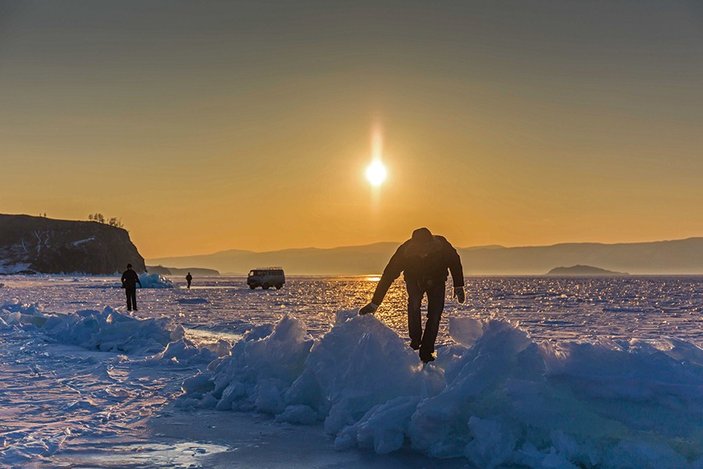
(497, 397)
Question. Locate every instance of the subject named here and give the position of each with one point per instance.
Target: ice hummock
(496, 397)
(154, 281)
(109, 330)
(146, 280)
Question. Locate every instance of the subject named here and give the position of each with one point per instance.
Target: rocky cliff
(43, 245)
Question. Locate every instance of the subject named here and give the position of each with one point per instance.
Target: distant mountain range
(352, 260)
(683, 256)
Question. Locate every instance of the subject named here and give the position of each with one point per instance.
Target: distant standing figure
(424, 259)
(130, 279)
(189, 278)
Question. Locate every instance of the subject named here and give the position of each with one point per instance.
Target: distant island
(583, 271)
(197, 271)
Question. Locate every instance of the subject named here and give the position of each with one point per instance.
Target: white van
(266, 277)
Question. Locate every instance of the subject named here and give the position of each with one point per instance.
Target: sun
(376, 173)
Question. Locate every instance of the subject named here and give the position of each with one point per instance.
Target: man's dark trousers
(131, 298)
(435, 305)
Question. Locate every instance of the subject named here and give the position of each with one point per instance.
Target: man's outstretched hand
(459, 293)
(369, 308)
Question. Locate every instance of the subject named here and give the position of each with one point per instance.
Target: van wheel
(278, 287)
(252, 286)
(265, 286)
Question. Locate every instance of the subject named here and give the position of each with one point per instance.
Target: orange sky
(206, 127)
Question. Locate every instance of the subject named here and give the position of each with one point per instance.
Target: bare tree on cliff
(100, 218)
(116, 222)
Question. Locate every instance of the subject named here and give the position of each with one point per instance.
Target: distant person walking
(189, 278)
(424, 260)
(130, 279)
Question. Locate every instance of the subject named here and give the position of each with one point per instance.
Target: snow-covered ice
(531, 372)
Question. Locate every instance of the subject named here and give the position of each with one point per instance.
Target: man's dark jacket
(428, 271)
(130, 279)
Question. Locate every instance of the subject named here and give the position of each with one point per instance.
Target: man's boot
(426, 357)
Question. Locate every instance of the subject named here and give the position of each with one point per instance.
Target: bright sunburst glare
(376, 173)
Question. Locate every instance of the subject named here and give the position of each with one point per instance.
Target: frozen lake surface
(587, 372)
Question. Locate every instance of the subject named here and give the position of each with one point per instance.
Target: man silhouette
(130, 279)
(424, 260)
(189, 278)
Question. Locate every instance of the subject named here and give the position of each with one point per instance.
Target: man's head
(421, 242)
(129, 266)
(421, 235)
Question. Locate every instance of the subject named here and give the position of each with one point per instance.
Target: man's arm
(390, 273)
(457, 271)
(455, 267)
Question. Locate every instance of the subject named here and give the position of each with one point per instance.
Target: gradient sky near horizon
(211, 125)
